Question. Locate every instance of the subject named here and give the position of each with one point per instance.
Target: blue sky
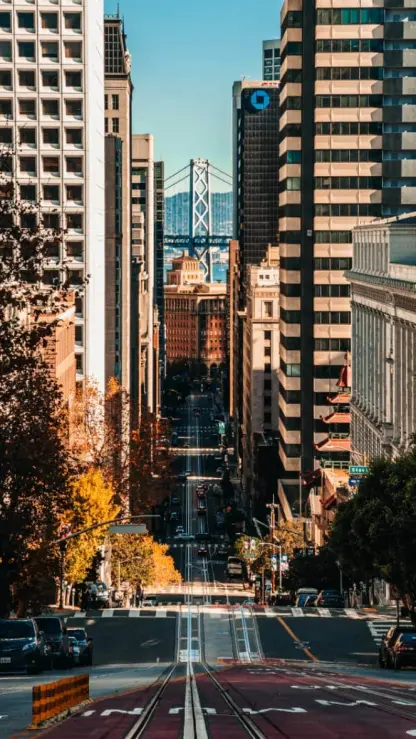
(185, 56)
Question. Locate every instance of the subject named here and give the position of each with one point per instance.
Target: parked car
(84, 643)
(54, 629)
(22, 646)
(330, 599)
(202, 551)
(402, 652)
(303, 594)
(151, 602)
(74, 651)
(388, 640)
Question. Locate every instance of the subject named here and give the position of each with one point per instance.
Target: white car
(180, 529)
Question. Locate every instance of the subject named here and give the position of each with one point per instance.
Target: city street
(204, 662)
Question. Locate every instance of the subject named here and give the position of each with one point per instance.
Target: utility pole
(272, 507)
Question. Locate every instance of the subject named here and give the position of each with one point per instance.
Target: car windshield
(408, 638)
(79, 634)
(49, 625)
(16, 630)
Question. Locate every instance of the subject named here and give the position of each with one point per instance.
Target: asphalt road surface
(206, 663)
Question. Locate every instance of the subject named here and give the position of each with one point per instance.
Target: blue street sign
(354, 481)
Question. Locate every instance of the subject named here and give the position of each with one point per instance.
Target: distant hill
(177, 214)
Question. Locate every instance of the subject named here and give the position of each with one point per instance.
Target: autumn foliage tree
(150, 460)
(142, 559)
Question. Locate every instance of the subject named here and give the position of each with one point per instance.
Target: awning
(334, 445)
(337, 418)
(340, 398)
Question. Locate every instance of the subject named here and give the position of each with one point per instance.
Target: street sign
(221, 427)
(274, 562)
(358, 470)
(353, 482)
(128, 528)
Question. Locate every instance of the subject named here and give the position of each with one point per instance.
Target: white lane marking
(348, 705)
(297, 612)
(135, 613)
(201, 731)
(351, 613)
(79, 614)
(161, 614)
(325, 612)
(108, 612)
(253, 712)
(110, 711)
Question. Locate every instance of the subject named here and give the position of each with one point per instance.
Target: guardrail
(51, 699)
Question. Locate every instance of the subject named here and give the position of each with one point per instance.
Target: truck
(234, 567)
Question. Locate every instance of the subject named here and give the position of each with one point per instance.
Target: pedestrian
(93, 594)
(139, 595)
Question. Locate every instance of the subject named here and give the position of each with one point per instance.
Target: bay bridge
(200, 240)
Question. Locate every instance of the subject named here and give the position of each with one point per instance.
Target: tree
(150, 468)
(142, 559)
(256, 552)
(373, 534)
(91, 502)
(316, 570)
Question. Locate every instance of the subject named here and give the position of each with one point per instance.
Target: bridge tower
(200, 214)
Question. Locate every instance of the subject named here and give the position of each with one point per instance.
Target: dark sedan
(85, 645)
(22, 646)
(403, 651)
(330, 599)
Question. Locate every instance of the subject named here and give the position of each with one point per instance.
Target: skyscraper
(159, 229)
(118, 104)
(271, 59)
(346, 157)
(51, 113)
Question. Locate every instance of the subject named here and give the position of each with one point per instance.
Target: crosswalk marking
(378, 628)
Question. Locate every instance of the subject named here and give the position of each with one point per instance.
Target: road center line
(296, 639)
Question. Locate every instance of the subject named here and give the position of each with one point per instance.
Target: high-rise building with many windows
(347, 150)
(271, 59)
(51, 114)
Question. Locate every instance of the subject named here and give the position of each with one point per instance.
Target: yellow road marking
(295, 638)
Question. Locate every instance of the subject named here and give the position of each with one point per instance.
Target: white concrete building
(383, 300)
(260, 363)
(52, 116)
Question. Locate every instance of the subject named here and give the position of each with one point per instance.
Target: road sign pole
(280, 569)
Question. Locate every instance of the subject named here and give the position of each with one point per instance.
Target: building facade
(383, 285)
(195, 316)
(118, 94)
(271, 59)
(143, 273)
(51, 114)
(260, 379)
(347, 141)
(159, 260)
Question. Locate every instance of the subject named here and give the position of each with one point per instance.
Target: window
(267, 335)
(73, 50)
(290, 290)
(267, 351)
(50, 79)
(49, 21)
(267, 385)
(75, 250)
(267, 417)
(105, 125)
(350, 16)
(6, 50)
(337, 317)
(348, 183)
(28, 192)
(349, 73)
(292, 183)
(52, 251)
(26, 21)
(51, 221)
(74, 193)
(27, 136)
(51, 136)
(6, 136)
(72, 21)
(49, 50)
(74, 221)
(79, 335)
(349, 101)
(294, 157)
(292, 370)
(51, 192)
(74, 108)
(348, 129)
(116, 125)
(105, 102)
(27, 107)
(290, 316)
(291, 343)
(74, 136)
(73, 79)
(74, 165)
(6, 108)
(333, 263)
(5, 78)
(332, 291)
(115, 102)
(79, 364)
(267, 309)
(75, 276)
(28, 165)
(50, 108)
(26, 49)
(332, 345)
(51, 165)
(5, 21)
(28, 220)
(326, 372)
(27, 78)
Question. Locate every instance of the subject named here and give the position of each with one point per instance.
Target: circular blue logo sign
(260, 99)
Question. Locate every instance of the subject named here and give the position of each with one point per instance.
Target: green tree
(317, 571)
(374, 533)
(256, 552)
(91, 502)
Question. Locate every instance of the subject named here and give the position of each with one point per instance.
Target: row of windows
(349, 45)
(48, 21)
(332, 345)
(348, 155)
(49, 107)
(325, 317)
(51, 193)
(115, 125)
(349, 101)
(348, 183)
(73, 221)
(352, 16)
(320, 263)
(115, 102)
(292, 19)
(293, 290)
(50, 165)
(48, 50)
(28, 136)
(49, 78)
(349, 129)
(291, 343)
(320, 371)
(349, 73)
(349, 209)
(294, 396)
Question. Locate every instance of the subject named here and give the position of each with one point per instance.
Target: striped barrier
(51, 699)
